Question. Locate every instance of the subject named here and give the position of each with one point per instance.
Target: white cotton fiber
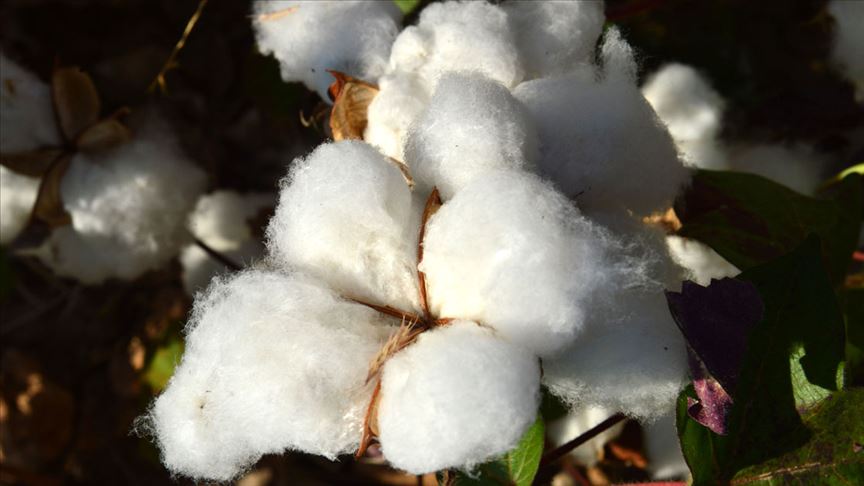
(701, 262)
(129, 207)
(514, 254)
(17, 196)
(457, 397)
(685, 102)
(472, 125)
(353, 37)
(576, 423)
(663, 450)
(401, 99)
(26, 111)
(798, 167)
(600, 140)
(345, 215)
(848, 49)
(273, 362)
(223, 221)
(555, 36)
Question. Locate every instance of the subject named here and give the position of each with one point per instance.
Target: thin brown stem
(390, 311)
(371, 413)
(224, 260)
(171, 63)
(559, 452)
(433, 203)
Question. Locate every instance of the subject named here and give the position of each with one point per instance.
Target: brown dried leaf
(76, 101)
(105, 134)
(351, 98)
(34, 163)
(667, 220)
(49, 204)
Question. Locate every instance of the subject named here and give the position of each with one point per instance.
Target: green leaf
(406, 6)
(161, 366)
(750, 220)
(853, 305)
(802, 323)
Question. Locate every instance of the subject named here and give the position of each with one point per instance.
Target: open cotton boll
(26, 111)
(273, 362)
(459, 36)
(663, 450)
(222, 220)
(346, 216)
(472, 125)
(128, 207)
(17, 196)
(353, 37)
(848, 51)
(600, 140)
(553, 37)
(511, 252)
(576, 423)
(400, 99)
(798, 167)
(701, 262)
(457, 397)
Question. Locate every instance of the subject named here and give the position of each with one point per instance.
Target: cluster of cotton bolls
(546, 163)
(128, 204)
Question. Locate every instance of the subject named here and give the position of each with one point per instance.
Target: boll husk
(222, 220)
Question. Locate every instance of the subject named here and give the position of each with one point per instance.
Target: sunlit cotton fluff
(701, 262)
(310, 37)
(223, 221)
(600, 141)
(472, 125)
(458, 397)
(273, 362)
(128, 206)
(26, 123)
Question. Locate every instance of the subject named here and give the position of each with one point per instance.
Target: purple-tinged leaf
(714, 403)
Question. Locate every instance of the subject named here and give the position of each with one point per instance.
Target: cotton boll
(795, 166)
(128, 208)
(685, 101)
(472, 125)
(222, 220)
(17, 196)
(553, 37)
(600, 140)
(665, 460)
(576, 423)
(345, 215)
(27, 115)
(400, 99)
(353, 37)
(457, 397)
(459, 36)
(848, 49)
(273, 362)
(512, 253)
(702, 263)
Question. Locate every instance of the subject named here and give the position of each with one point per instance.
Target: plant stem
(224, 260)
(559, 452)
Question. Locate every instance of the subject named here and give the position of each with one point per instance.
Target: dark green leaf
(853, 305)
(161, 366)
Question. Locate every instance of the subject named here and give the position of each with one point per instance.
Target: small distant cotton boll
(129, 208)
(554, 37)
(346, 216)
(17, 196)
(472, 125)
(600, 140)
(459, 36)
(798, 167)
(848, 50)
(222, 220)
(400, 99)
(576, 423)
(27, 115)
(353, 37)
(663, 450)
(457, 397)
(685, 101)
(514, 254)
(701, 262)
(273, 362)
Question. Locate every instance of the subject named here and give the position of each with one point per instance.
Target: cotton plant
(224, 222)
(114, 204)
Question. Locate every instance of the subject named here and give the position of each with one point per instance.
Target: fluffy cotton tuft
(701, 262)
(401, 99)
(576, 423)
(663, 450)
(26, 111)
(128, 207)
(600, 141)
(514, 254)
(472, 125)
(353, 37)
(17, 196)
(554, 37)
(848, 49)
(346, 216)
(222, 220)
(456, 398)
(272, 363)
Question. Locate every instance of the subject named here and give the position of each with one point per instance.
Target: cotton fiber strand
(353, 37)
(576, 423)
(472, 125)
(273, 362)
(511, 252)
(456, 398)
(222, 220)
(346, 216)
